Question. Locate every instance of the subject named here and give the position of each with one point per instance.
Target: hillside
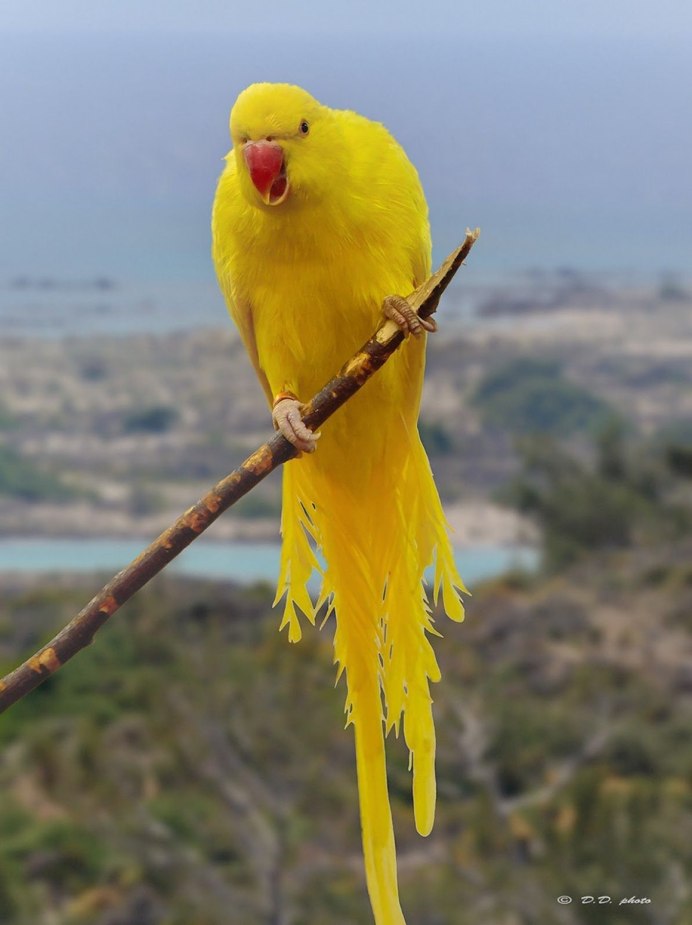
(191, 766)
(115, 436)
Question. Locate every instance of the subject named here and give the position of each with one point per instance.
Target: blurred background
(191, 767)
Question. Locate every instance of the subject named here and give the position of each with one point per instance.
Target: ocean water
(245, 563)
(53, 308)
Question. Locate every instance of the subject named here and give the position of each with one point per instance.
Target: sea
(244, 563)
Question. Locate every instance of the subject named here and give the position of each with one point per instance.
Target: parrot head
(280, 135)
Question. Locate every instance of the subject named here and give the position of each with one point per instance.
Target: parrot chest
(310, 315)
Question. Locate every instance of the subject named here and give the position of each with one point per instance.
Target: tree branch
(80, 631)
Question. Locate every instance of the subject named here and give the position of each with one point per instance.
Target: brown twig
(80, 631)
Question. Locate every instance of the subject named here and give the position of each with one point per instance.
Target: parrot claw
(398, 310)
(287, 419)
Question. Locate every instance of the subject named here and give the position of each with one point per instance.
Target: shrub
(156, 419)
(533, 397)
(21, 478)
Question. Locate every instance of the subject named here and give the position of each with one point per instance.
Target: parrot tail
(377, 536)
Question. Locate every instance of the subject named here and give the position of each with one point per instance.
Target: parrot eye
(303, 128)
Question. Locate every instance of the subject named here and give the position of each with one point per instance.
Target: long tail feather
(375, 814)
(378, 534)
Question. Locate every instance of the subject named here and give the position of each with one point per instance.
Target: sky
(562, 129)
(665, 18)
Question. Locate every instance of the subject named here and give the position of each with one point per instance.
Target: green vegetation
(146, 498)
(532, 396)
(191, 766)
(21, 478)
(437, 439)
(679, 459)
(156, 419)
(256, 505)
(627, 492)
(7, 420)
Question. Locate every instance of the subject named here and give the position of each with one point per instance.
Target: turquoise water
(245, 563)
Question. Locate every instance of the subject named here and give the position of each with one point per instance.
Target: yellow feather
(305, 282)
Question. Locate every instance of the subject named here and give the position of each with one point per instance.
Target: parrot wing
(241, 312)
(421, 267)
(239, 306)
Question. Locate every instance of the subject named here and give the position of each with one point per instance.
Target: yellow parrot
(319, 220)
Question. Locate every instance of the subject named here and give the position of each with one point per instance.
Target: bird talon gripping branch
(287, 419)
(398, 310)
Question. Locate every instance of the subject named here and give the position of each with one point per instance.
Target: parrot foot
(398, 310)
(286, 417)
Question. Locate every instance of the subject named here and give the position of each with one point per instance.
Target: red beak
(265, 161)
